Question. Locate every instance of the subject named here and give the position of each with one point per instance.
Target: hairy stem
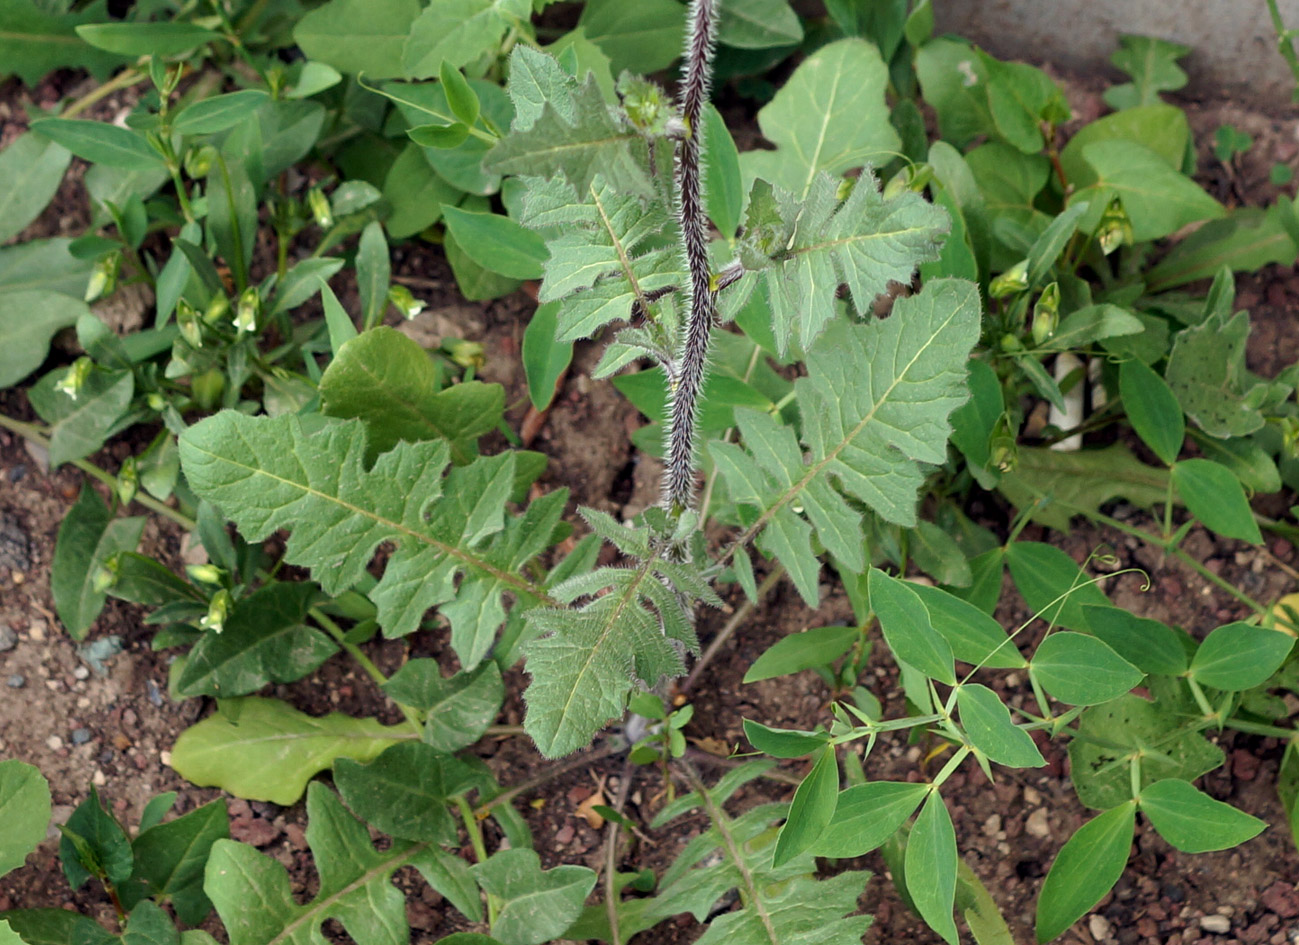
(679, 478)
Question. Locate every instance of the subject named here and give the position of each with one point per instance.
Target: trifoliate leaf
(875, 404)
(807, 248)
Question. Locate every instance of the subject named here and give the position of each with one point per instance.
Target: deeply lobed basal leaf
(309, 476)
(806, 248)
(875, 405)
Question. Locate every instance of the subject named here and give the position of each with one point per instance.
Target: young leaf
(264, 640)
(25, 809)
(254, 898)
(461, 97)
(1194, 822)
(28, 320)
(811, 809)
(1214, 496)
(278, 748)
(931, 867)
(859, 430)
(497, 243)
(987, 721)
(1149, 645)
(404, 792)
(417, 193)
(31, 169)
(170, 859)
(535, 905)
(373, 273)
(818, 646)
(804, 248)
(904, 620)
(1089, 863)
(1152, 64)
(267, 473)
(1081, 670)
(545, 357)
(88, 536)
(387, 380)
(1152, 409)
(1052, 584)
(829, 117)
(232, 215)
(94, 844)
(1170, 746)
(458, 710)
(1237, 656)
(99, 143)
(783, 743)
(866, 815)
(358, 35)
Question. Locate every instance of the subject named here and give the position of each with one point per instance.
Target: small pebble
(8, 639)
(1037, 825)
(54, 742)
(1217, 924)
(155, 694)
(98, 779)
(80, 736)
(81, 673)
(16, 681)
(1099, 926)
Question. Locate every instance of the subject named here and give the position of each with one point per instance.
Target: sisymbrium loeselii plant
(839, 341)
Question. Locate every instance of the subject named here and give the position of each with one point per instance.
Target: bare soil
(112, 726)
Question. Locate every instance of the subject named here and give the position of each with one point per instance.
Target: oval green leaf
(100, 143)
(146, 39)
(1194, 822)
(1082, 670)
(866, 815)
(907, 629)
(1152, 409)
(1053, 585)
(1088, 865)
(783, 742)
(24, 810)
(930, 867)
(1147, 644)
(545, 357)
(1213, 495)
(817, 646)
(1238, 656)
(987, 722)
(811, 809)
(219, 112)
(497, 243)
(974, 636)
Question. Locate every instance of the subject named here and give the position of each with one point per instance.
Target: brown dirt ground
(1008, 831)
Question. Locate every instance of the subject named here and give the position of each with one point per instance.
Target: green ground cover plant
(804, 436)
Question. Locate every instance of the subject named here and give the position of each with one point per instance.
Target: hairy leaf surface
(875, 405)
(309, 476)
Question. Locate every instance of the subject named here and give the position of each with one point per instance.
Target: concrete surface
(1233, 44)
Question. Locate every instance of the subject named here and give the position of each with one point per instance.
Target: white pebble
(54, 743)
(1217, 924)
(81, 673)
(1037, 825)
(1099, 926)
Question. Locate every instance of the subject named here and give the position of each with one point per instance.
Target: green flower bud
(103, 278)
(205, 573)
(76, 375)
(218, 610)
(405, 301)
(320, 209)
(1013, 280)
(216, 309)
(187, 320)
(1046, 314)
(128, 481)
(1115, 228)
(250, 304)
(467, 354)
(198, 161)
